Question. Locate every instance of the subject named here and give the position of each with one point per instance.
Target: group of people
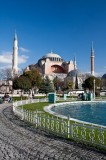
(5, 99)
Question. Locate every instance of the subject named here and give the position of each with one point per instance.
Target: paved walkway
(18, 141)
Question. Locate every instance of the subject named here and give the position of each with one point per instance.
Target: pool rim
(48, 109)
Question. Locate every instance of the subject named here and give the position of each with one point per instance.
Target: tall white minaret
(92, 60)
(15, 56)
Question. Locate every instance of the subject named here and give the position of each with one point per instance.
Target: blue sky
(68, 27)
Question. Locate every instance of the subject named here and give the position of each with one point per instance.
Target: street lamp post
(94, 89)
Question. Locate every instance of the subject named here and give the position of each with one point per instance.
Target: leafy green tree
(46, 86)
(16, 83)
(22, 83)
(89, 83)
(30, 80)
(34, 77)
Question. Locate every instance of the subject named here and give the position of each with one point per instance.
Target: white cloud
(23, 49)
(22, 59)
(97, 74)
(6, 58)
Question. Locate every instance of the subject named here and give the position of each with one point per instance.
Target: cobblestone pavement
(19, 141)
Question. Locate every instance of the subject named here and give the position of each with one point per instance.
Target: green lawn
(36, 106)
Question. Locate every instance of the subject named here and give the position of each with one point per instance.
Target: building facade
(74, 75)
(53, 65)
(5, 86)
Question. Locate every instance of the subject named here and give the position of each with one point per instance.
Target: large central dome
(51, 55)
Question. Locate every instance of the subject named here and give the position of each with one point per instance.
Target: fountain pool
(91, 112)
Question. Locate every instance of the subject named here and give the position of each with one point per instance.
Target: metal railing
(68, 128)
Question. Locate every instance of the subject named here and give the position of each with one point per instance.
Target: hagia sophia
(53, 65)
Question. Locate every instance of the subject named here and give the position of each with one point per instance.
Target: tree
(34, 77)
(58, 83)
(6, 74)
(70, 84)
(22, 83)
(30, 80)
(46, 86)
(89, 83)
(76, 82)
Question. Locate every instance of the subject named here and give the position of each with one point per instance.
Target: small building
(5, 86)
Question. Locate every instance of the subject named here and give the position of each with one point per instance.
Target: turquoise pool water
(90, 112)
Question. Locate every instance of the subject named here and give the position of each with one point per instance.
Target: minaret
(92, 60)
(15, 57)
(75, 64)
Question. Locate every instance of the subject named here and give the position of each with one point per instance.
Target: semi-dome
(51, 55)
(75, 72)
(104, 76)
